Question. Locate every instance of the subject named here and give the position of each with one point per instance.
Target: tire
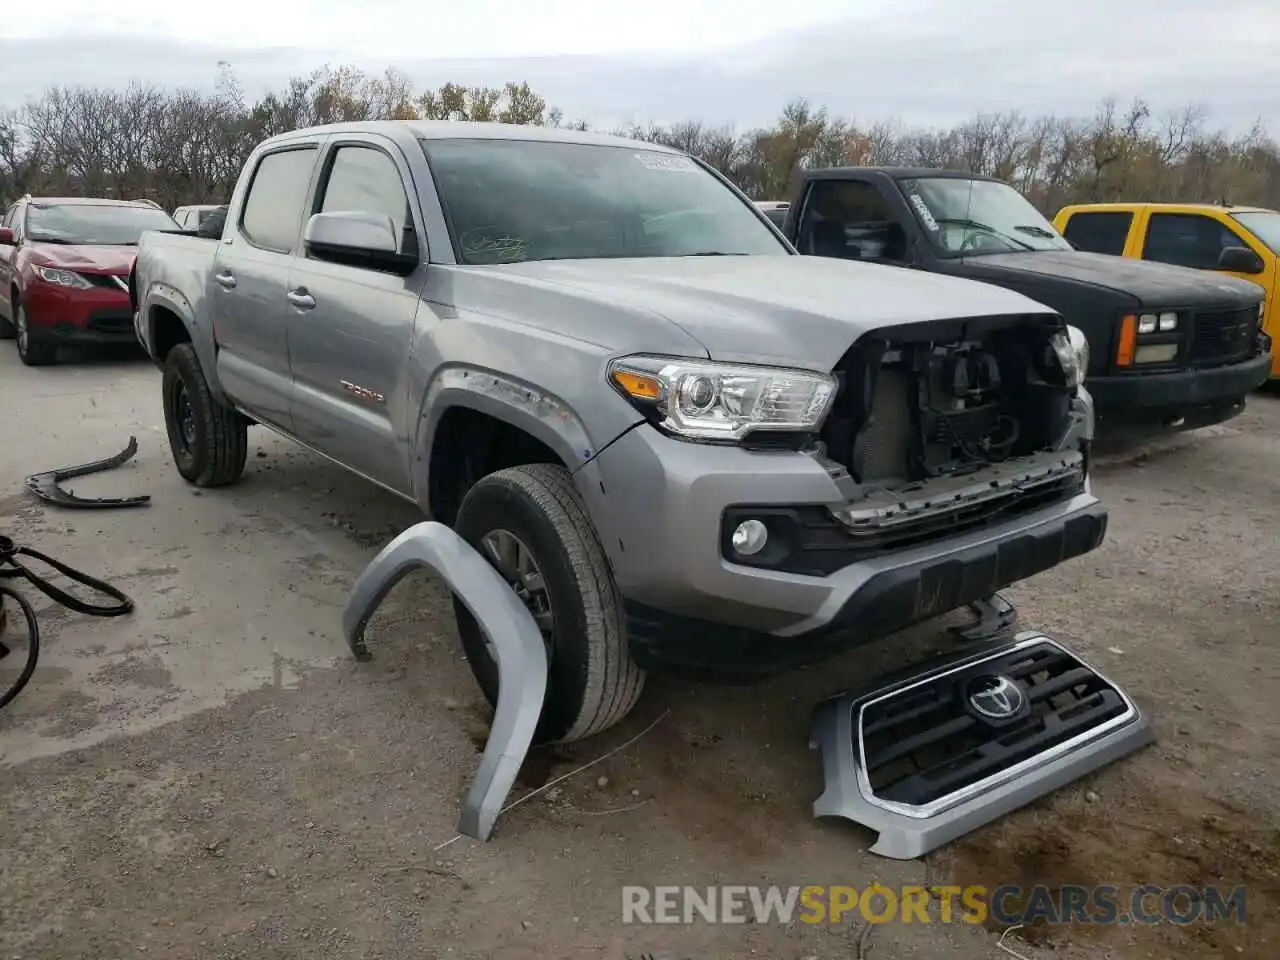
(209, 441)
(592, 683)
(32, 350)
(7, 330)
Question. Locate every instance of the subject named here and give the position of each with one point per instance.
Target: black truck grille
(928, 742)
(1223, 334)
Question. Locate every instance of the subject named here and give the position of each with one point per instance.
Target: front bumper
(1215, 393)
(658, 502)
(96, 316)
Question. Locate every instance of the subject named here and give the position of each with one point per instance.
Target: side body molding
(518, 645)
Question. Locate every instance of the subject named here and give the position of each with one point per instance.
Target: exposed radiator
(886, 442)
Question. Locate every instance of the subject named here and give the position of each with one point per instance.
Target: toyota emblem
(996, 698)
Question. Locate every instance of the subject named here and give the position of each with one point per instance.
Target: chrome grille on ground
(934, 743)
(1222, 334)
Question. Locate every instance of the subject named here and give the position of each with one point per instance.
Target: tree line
(187, 146)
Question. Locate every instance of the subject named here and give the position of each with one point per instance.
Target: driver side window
(365, 179)
(851, 220)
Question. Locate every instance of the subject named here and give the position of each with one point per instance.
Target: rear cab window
(272, 212)
(1099, 231)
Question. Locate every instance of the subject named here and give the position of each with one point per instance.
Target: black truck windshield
(964, 216)
(510, 201)
(94, 223)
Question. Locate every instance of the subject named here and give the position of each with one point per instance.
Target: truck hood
(1150, 284)
(98, 258)
(805, 311)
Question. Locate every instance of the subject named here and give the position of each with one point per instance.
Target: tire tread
(226, 435)
(614, 682)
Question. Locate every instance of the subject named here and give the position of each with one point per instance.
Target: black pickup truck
(1168, 346)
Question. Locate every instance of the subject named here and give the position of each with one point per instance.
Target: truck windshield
(91, 223)
(1263, 224)
(965, 217)
(511, 201)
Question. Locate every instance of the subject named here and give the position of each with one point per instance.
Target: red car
(64, 271)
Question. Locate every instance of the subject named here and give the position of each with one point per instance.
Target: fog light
(1147, 323)
(1156, 353)
(1168, 321)
(749, 538)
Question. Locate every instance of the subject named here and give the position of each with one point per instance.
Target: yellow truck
(1242, 242)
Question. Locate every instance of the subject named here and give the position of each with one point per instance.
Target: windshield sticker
(922, 208)
(667, 161)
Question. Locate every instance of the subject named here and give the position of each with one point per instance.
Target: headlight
(1158, 322)
(1072, 350)
(702, 400)
(63, 278)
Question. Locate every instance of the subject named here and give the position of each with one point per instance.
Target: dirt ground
(213, 777)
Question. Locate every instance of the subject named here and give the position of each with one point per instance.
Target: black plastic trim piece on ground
(12, 568)
(46, 485)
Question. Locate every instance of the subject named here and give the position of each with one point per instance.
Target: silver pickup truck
(686, 447)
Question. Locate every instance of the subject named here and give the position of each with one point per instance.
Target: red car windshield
(93, 223)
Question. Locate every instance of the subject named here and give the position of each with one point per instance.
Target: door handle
(226, 279)
(301, 299)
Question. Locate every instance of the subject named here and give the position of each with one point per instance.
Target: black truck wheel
(210, 441)
(529, 522)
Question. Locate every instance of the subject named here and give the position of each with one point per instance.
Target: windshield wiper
(975, 225)
(51, 240)
(716, 253)
(1037, 231)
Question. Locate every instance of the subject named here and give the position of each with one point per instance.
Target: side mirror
(1240, 260)
(359, 239)
(6, 237)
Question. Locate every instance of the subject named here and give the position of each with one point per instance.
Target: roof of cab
(1163, 207)
(472, 130)
(89, 202)
(896, 173)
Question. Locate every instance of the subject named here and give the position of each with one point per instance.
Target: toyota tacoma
(687, 448)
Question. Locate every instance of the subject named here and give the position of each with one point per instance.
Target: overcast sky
(923, 62)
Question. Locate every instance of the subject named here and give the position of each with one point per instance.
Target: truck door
(351, 326)
(251, 277)
(851, 219)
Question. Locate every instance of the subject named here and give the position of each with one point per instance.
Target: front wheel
(531, 525)
(32, 350)
(209, 441)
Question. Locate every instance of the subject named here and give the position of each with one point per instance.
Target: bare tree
(187, 146)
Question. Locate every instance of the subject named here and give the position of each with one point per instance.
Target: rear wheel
(33, 350)
(209, 441)
(530, 524)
